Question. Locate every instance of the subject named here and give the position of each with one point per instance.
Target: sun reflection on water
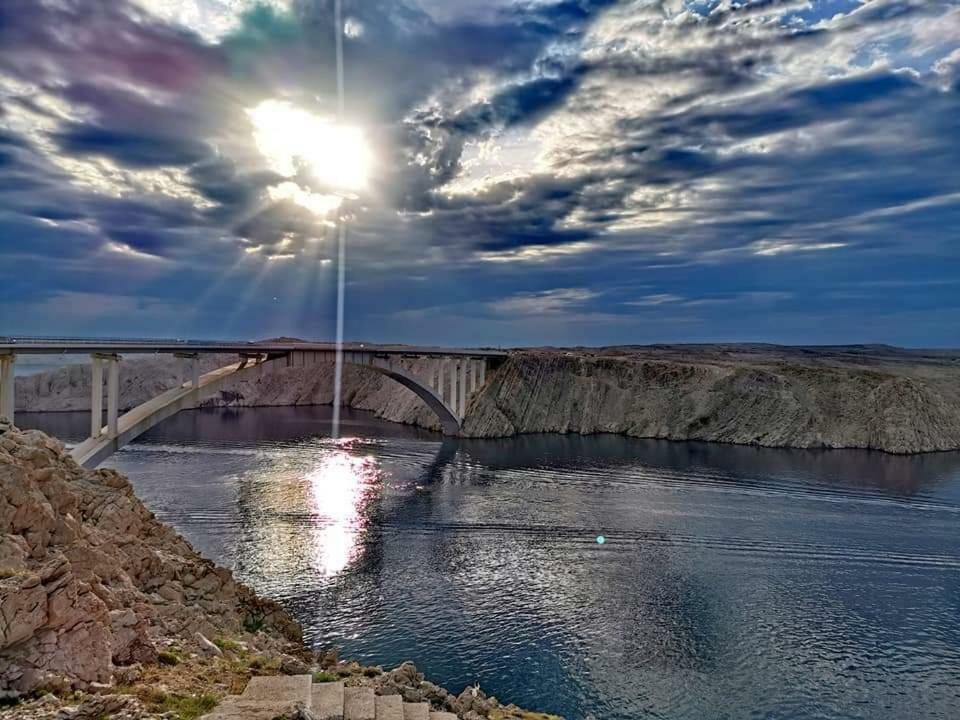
(339, 488)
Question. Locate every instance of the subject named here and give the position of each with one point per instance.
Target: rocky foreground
(105, 612)
(874, 397)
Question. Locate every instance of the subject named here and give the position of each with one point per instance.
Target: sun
(289, 137)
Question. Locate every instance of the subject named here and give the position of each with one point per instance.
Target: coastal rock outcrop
(91, 582)
(760, 399)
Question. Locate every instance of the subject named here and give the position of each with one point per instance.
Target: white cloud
(535, 253)
(660, 299)
(546, 302)
(779, 247)
(130, 252)
(210, 18)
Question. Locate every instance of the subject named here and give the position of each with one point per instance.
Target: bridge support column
(483, 374)
(473, 376)
(462, 399)
(7, 386)
(452, 384)
(96, 396)
(446, 382)
(113, 395)
(189, 362)
(190, 368)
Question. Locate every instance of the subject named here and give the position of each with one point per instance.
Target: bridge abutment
(7, 393)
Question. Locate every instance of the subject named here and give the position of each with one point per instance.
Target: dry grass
(504, 714)
(192, 683)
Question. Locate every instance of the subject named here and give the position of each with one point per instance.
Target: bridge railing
(53, 340)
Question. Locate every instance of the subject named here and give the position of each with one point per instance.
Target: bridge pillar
(190, 363)
(483, 373)
(449, 381)
(473, 376)
(452, 384)
(7, 386)
(96, 396)
(113, 395)
(462, 399)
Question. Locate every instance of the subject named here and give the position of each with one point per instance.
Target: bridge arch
(123, 429)
(132, 424)
(448, 418)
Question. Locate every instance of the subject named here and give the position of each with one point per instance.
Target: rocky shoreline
(107, 612)
(871, 397)
(892, 400)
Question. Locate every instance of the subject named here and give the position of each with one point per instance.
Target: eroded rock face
(90, 580)
(894, 405)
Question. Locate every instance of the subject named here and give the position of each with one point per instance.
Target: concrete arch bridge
(443, 378)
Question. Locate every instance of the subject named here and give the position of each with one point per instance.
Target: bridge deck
(67, 346)
(443, 378)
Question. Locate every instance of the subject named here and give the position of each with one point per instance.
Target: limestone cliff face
(879, 398)
(776, 404)
(91, 582)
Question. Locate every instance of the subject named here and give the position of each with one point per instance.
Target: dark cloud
(107, 40)
(131, 149)
(275, 222)
(217, 180)
(517, 104)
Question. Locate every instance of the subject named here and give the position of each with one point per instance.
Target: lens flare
(291, 138)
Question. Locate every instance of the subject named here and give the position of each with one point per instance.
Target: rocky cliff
(860, 397)
(91, 582)
(780, 399)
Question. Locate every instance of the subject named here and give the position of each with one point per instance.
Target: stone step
(416, 711)
(442, 716)
(389, 707)
(235, 707)
(327, 701)
(359, 704)
(279, 689)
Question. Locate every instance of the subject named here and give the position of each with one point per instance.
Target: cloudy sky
(511, 171)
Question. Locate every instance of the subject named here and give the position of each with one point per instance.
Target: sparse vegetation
(189, 707)
(324, 677)
(227, 645)
(508, 714)
(253, 623)
(264, 665)
(168, 657)
(147, 693)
